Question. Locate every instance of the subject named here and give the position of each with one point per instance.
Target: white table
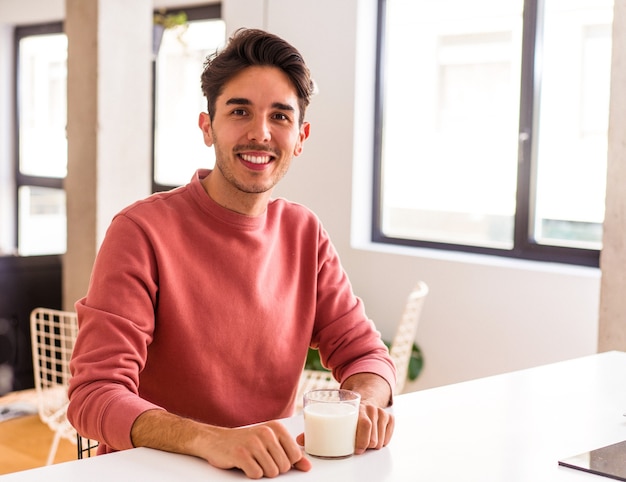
(506, 428)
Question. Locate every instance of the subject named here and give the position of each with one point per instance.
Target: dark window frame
(524, 247)
(21, 180)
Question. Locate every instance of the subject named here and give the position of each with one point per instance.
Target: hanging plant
(170, 20)
(163, 21)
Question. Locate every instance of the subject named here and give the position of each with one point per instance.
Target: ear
(204, 123)
(305, 130)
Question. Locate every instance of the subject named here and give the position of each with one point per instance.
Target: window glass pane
(451, 114)
(573, 123)
(42, 92)
(42, 221)
(179, 148)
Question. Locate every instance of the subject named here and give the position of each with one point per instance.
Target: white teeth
(256, 159)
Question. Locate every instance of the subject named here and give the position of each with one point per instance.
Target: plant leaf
(416, 362)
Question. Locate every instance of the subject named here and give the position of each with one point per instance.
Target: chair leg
(53, 448)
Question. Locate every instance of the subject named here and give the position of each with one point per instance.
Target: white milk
(330, 429)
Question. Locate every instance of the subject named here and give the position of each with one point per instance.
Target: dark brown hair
(253, 47)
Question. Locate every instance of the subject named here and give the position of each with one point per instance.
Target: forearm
(372, 388)
(162, 430)
(265, 449)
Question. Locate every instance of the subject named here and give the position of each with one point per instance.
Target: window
(491, 126)
(179, 148)
(41, 113)
(41, 73)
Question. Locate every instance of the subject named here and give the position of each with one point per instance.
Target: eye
(280, 116)
(239, 112)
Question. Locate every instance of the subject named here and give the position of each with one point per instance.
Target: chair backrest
(402, 344)
(400, 350)
(313, 380)
(53, 333)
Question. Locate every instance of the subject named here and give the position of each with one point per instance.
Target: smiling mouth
(256, 159)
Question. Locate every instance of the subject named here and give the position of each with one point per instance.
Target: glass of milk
(330, 420)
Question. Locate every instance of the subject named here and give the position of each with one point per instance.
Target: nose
(259, 130)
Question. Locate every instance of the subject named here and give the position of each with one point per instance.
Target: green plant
(170, 20)
(313, 361)
(416, 362)
(163, 21)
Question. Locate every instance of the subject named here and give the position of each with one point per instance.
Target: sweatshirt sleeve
(111, 348)
(347, 339)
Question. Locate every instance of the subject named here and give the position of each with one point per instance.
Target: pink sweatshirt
(208, 314)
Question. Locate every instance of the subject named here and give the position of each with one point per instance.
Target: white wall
(483, 316)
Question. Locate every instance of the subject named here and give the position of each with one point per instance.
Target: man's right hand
(261, 450)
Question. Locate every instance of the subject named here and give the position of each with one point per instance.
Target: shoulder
(156, 204)
(294, 220)
(285, 209)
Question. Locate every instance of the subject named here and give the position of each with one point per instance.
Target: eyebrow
(244, 101)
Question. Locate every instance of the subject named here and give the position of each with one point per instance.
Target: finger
(281, 452)
(291, 451)
(391, 425)
(288, 446)
(363, 432)
(373, 413)
(251, 468)
(303, 465)
(273, 462)
(383, 430)
(296, 455)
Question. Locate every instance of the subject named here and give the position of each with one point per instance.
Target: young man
(204, 300)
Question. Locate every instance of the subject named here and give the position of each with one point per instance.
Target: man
(204, 300)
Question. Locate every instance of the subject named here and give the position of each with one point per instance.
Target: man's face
(255, 129)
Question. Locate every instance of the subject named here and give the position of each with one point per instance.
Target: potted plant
(416, 362)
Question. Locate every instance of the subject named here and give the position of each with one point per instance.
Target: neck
(233, 199)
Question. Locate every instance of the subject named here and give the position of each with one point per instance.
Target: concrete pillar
(109, 124)
(612, 329)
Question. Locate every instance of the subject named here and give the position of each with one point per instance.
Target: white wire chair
(402, 343)
(86, 447)
(400, 351)
(53, 333)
